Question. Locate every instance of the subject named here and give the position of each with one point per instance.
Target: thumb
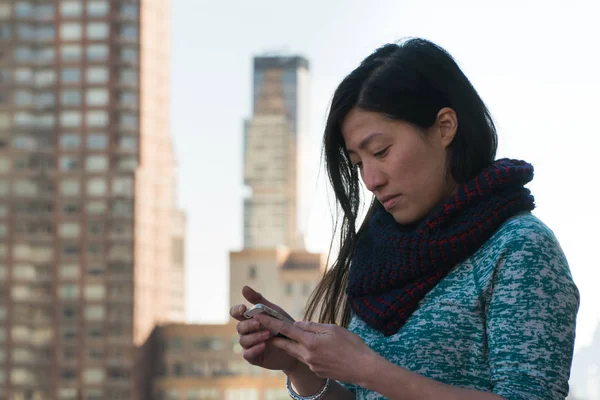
(309, 326)
(254, 297)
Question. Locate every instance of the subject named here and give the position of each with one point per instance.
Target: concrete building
(86, 193)
(193, 362)
(275, 149)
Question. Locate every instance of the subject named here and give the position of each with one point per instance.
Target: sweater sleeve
(531, 312)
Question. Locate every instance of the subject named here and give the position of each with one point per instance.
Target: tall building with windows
(86, 193)
(275, 151)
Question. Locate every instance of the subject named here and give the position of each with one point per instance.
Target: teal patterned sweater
(502, 321)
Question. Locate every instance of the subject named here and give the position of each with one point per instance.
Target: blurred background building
(90, 238)
(192, 362)
(275, 153)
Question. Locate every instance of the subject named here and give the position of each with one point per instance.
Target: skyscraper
(86, 193)
(275, 142)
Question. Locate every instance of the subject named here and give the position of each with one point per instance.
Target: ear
(447, 124)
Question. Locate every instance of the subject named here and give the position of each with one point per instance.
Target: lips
(389, 202)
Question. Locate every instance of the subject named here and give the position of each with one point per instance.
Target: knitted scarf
(393, 266)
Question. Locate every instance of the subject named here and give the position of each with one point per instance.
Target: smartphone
(261, 308)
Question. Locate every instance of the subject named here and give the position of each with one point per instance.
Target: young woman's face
(405, 168)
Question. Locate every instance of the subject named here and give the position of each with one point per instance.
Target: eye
(382, 152)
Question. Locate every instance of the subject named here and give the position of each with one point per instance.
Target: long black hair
(409, 81)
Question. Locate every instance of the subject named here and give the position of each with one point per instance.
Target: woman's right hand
(254, 338)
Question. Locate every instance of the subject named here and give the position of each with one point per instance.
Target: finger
(308, 326)
(292, 348)
(255, 297)
(276, 325)
(253, 353)
(248, 326)
(237, 312)
(251, 340)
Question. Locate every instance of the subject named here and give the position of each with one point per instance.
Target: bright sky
(535, 63)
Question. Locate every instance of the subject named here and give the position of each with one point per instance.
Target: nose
(373, 177)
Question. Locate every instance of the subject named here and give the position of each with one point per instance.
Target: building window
(96, 187)
(97, 75)
(70, 142)
(69, 229)
(97, 141)
(97, 8)
(128, 77)
(129, 32)
(127, 163)
(128, 121)
(129, 10)
(128, 99)
(129, 143)
(68, 291)
(69, 271)
(97, 118)
(24, 54)
(122, 186)
(96, 207)
(71, 8)
(94, 313)
(71, 75)
(69, 163)
(94, 292)
(70, 119)
(25, 188)
(97, 97)
(45, 32)
(96, 163)
(45, 55)
(23, 9)
(70, 31)
(69, 187)
(45, 77)
(71, 97)
(97, 30)
(23, 98)
(129, 55)
(45, 100)
(71, 52)
(5, 10)
(71, 209)
(97, 52)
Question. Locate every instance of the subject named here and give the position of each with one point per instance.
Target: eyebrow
(365, 142)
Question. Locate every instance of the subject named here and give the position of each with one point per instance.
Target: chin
(403, 217)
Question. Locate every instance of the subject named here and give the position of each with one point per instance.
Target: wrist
(374, 366)
(304, 381)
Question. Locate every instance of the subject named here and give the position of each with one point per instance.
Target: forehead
(358, 124)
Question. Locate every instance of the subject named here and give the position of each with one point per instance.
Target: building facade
(275, 149)
(86, 193)
(197, 362)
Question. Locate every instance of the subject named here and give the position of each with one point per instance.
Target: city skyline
(88, 215)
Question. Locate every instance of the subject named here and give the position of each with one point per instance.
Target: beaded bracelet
(317, 396)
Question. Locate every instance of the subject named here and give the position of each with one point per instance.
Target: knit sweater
(502, 321)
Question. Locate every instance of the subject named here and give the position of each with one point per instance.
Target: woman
(450, 289)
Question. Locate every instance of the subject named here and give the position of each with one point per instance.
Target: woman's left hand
(330, 351)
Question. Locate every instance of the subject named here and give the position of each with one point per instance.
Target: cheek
(421, 175)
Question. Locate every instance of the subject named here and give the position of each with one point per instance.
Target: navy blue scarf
(394, 267)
